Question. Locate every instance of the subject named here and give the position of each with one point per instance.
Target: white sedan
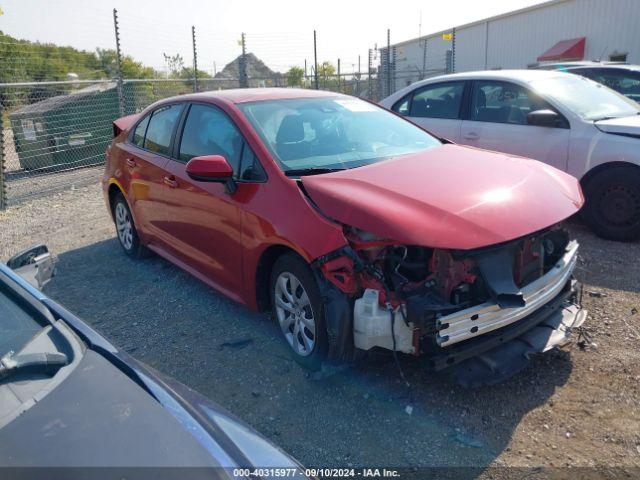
(568, 121)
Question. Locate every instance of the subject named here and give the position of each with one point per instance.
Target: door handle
(471, 136)
(131, 163)
(170, 181)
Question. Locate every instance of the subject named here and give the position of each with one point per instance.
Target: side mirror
(35, 265)
(543, 118)
(212, 168)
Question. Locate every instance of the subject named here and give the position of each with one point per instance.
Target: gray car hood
(623, 125)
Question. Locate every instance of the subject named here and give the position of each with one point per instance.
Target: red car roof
(242, 95)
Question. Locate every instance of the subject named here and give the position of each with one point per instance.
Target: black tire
(612, 207)
(129, 243)
(296, 266)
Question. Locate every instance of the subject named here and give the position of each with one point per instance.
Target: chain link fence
(56, 124)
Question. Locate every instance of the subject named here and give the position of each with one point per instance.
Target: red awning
(565, 50)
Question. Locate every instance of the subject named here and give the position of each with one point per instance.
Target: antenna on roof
(602, 54)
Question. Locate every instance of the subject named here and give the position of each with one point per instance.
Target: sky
(278, 32)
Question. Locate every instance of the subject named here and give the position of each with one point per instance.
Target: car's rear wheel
(126, 229)
(612, 209)
(297, 307)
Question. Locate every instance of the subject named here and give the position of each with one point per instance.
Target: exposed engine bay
(434, 302)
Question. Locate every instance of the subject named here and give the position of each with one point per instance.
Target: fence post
(358, 78)
(121, 104)
(3, 186)
(393, 69)
(242, 64)
(315, 59)
(424, 59)
(195, 59)
(453, 50)
(388, 62)
(369, 85)
(339, 87)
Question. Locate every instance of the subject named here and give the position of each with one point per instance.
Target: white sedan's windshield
(332, 133)
(589, 100)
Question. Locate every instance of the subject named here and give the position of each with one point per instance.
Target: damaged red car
(354, 227)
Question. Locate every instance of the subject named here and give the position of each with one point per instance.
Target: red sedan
(355, 228)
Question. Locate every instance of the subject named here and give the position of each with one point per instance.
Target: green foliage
(25, 61)
(176, 68)
(295, 76)
(327, 76)
(130, 68)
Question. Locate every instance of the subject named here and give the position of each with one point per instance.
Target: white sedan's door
(436, 107)
(498, 121)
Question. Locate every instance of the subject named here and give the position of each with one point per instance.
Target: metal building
(554, 30)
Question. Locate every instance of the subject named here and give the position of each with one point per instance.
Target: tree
(295, 76)
(130, 68)
(175, 65)
(325, 71)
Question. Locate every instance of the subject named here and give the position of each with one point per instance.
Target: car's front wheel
(612, 209)
(297, 306)
(126, 229)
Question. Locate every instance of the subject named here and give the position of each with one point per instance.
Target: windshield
(589, 100)
(17, 325)
(320, 134)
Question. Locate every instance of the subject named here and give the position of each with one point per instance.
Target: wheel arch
(598, 169)
(114, 189)
(263, 272)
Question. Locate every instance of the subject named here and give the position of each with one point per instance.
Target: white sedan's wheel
(295, 313)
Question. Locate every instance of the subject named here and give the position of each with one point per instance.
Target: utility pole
(315, 58)
(119, 83)
(195, 59)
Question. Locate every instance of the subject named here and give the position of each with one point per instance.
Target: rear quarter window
(160, 129)
(141, 129)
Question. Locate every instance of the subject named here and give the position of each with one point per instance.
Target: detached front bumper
(499, 355)
(481, 319)
(505, 339)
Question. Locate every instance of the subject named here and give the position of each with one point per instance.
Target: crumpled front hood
(623, 125)
(448, 197)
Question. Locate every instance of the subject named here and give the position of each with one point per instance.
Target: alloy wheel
(124, 226)
(295, 314)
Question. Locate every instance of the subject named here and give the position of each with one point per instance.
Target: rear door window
(141, 129)
(160, 129)
(441, 100)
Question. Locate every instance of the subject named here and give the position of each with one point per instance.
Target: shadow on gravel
(360, 416)
(605, 264)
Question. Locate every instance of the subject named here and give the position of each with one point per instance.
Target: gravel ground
(578, 406)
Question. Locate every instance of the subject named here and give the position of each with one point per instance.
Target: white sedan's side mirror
(36, 265)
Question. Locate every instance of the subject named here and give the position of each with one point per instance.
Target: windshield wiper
(42, 363)
(311, 171)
